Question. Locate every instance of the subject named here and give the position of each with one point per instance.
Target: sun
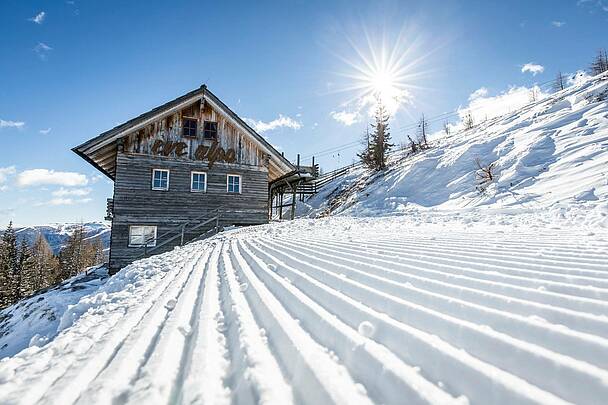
(385, 87)
(383, 69)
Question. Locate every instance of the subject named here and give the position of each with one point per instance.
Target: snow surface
(339, 310)
(38, 319)
(415, 289)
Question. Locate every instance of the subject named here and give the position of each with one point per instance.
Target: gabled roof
(101, 150)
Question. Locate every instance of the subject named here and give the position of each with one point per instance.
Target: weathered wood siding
(135, 203)
(169, 128)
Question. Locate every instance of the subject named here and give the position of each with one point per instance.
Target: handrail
(328, 177)
(182, 230)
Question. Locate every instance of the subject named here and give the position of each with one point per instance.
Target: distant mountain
(57, 234)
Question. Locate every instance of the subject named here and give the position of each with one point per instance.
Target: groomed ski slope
(339, 310)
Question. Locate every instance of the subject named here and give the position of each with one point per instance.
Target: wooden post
(182, 236)
(294, 189)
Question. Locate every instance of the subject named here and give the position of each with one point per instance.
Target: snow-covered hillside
(551, 158)
(38, 319)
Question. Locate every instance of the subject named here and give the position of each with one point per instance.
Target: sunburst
(384, 71)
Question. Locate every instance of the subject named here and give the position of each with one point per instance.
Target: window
(234, 183)
(140, 235)
(198, 181)
(210, 130)
(160, 179)
(189, 127)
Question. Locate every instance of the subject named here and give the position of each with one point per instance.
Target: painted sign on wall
(212, 153)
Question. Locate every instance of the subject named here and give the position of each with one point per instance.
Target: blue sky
(70, 70)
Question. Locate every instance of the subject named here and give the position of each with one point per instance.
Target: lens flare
(385, 71)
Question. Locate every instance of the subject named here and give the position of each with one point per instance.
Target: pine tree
(366, 154)
(8, 266)
(24, 282)
(380, 139)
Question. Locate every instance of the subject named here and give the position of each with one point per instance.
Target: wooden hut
(181, 170)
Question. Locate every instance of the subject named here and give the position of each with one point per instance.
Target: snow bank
(38, 319)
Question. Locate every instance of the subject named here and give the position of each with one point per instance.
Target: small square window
(198, 181)
(140, 235)
(189, 127)
(210, 130)
(160, 179)
(234, 183)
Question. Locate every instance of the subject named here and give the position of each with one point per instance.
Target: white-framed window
(160, 179)
(233, 183)
(198, 181)
(142, 234)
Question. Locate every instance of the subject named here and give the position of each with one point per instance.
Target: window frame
(168, 176)
(192, 189)
(205, 130)
(228, 183)
(149, 244)
(184, 119)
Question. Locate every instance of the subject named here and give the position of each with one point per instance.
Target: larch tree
(446, 128)
(600, 63)
(45, 264)
(560, 82)
(423, 129)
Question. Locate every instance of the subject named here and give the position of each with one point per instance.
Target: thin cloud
(38, 18)
(483, 106)
(281, 122)
(76, 192)
(5, 173)
(45, 131)
(65, 201)
(558, 24)
(532, 68)
(11, 124)
(345, 117)
(481, 92)
(593, 4)
(42, 177)
(42, 50)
